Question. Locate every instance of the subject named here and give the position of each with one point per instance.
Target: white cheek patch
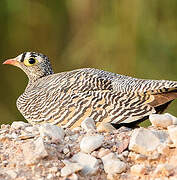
(18, 58)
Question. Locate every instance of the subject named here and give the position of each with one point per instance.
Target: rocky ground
(47, 152)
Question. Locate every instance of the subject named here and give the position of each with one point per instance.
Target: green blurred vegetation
(136, 38)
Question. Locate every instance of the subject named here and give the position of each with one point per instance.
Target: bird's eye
(30, 62)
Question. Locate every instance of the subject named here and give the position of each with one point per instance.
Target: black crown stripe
(23, 57)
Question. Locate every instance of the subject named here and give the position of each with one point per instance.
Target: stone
(49, 176)
(3, 131)
(138, 169)
(163, 149)
(154, 156)
(120, 156)
(164, 170)
(125, 153)
(171, 178)
(172, 130)
(66, 150)
(73, 177)
(90, 143)
(94, 154)
(132, 155)
(174, 119)
(112, 165)
(103, 152)
(53, 169)
(26, 136)
(74, 137)
(143, 141)
(140, 157)
(12, 136)
(40, 149)
(162, 135)
(28, 152)
(19, 125)
(123, 145)
(162, 120)
(90, 164)
(55, 133)
(70, 168)
(32, 129)
(88, 124)
(13, 174)
(105, 127)
(34, 151)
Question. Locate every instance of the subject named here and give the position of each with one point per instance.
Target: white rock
(12, 136)
(66, 150)
(28, 151)
(73, 137)
(13, 174)
(90, 143)
(53, 169)
(174, 119)
(125, 153)
(88, 124)
(73, 177)
(140, 157)
(19, 125)
(103, 152)
(90, 164)
(162, 135)
(161, 120)
(164, 169)
(172, 130)
(105, 127)
(120, 156)
(143, 141)
(34, 151)
(32, 129)
(163, 149)
(70, 168)
(40, 150)
(55, 133)
(154, 156)
(3, 131)
(49, 176)
(112, 165)
(138, 169)
(66, 162)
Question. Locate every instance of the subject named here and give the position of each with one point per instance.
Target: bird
(67, 98)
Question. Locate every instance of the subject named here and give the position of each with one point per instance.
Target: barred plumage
(66, 98)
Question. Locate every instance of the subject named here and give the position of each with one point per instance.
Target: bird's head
(35, 65)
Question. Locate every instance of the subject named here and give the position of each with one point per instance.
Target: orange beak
(13, 62)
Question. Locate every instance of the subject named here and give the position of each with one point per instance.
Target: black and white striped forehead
(27, 55)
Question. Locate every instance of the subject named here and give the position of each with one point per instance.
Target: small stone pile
(48, 152)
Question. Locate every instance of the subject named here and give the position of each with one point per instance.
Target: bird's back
(69, 97)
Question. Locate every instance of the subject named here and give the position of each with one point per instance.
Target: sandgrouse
(67, 98)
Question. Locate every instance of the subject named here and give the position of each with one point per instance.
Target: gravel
(49, 152)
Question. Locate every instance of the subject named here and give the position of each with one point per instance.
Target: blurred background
(136, 38)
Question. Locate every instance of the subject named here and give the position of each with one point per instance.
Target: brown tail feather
(161, 101)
